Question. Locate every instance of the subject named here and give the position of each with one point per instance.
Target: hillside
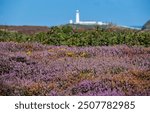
(25, 29)
(146, 26)
(30, 30)
(74, 61)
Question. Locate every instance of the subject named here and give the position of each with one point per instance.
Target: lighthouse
(77, 17)
(77, 21)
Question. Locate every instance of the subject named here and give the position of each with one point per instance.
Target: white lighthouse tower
(77, 17)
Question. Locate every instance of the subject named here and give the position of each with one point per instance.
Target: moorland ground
(50, 63)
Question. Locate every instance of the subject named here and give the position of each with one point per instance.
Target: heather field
(36, 69)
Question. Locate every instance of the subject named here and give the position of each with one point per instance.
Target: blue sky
(56, 12)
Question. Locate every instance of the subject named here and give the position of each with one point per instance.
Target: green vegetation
(67, 35)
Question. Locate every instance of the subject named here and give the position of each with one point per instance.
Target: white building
(85, 22)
